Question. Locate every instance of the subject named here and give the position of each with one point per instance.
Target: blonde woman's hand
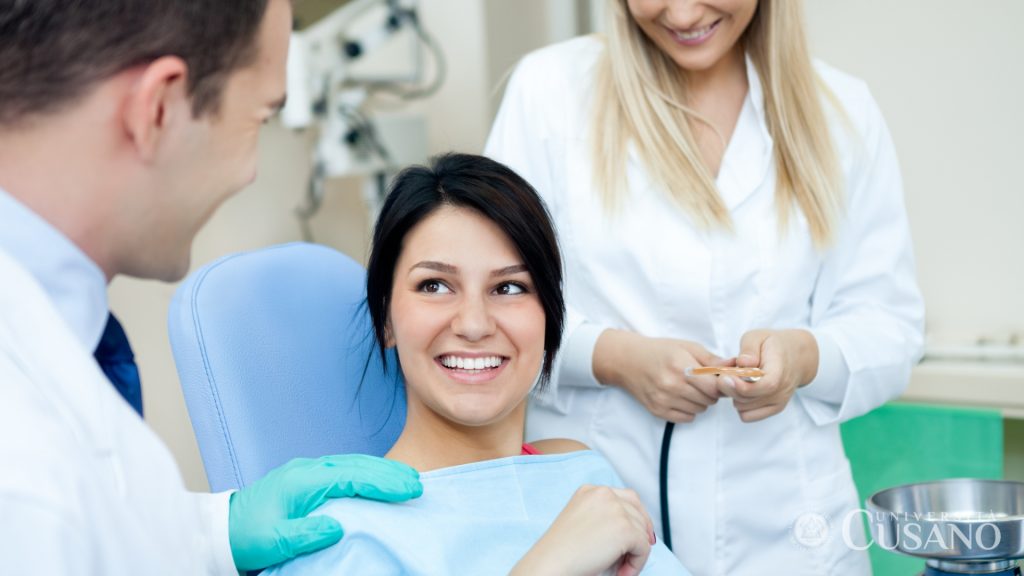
(789, 359)
(653, 370)
(601, 528)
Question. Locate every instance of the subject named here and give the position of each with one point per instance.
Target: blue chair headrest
(277, 360)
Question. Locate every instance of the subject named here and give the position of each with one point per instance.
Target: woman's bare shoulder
(558, 446)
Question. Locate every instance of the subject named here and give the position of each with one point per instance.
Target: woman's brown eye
(432, 287)
(511, 289)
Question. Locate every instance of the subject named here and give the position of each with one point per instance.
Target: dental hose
(666, 530)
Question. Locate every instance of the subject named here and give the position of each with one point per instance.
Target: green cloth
(903, 443)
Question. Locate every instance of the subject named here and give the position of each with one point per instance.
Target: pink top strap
(529, 450)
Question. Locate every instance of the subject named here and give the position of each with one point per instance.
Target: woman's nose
(682, 14)
(473, 321)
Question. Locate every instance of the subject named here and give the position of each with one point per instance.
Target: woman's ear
(389, 334)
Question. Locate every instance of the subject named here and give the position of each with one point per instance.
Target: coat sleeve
(215, 542)
(867, 313)
(528, 137)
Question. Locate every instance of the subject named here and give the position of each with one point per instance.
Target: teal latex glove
(267, 521)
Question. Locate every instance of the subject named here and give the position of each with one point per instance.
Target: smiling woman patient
(465, 281)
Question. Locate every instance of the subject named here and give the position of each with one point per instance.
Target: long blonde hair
(640, 97)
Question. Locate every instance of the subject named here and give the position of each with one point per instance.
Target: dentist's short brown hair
(52, 52)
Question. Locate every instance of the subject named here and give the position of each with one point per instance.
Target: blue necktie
(115, 357)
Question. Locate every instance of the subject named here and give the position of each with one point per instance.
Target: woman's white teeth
(693, 34)
(471, 363)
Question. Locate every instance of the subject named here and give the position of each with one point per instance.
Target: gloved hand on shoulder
(267, 521)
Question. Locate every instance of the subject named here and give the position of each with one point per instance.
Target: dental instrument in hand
(746, 374)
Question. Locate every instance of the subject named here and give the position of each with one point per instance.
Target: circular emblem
(810, 530)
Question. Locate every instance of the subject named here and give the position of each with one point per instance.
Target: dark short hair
(490, 189)
(52, 52)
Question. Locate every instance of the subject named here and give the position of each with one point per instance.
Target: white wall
(949, 77)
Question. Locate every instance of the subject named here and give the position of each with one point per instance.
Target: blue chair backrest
(277, 360)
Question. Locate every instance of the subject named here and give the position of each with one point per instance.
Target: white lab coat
(736, 490)
(86, 487)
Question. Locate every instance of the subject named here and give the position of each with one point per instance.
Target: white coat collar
(748, 156)
(42, 345)
(74, 283)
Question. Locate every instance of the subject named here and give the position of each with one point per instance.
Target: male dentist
(123, 125)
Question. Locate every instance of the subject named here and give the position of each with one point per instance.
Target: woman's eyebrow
(436, 266)
(509, 270)
(449, 269)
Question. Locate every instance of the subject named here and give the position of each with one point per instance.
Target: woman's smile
(472, 368)
(694, 36)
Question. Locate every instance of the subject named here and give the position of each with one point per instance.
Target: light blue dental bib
(477, 518)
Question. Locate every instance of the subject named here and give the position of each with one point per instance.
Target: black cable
(666, 530)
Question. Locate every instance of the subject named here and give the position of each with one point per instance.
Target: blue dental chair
(277, 360)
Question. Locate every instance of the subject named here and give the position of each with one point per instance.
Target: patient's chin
(479, 414)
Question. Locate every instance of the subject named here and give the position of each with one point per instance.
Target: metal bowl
(964, 520)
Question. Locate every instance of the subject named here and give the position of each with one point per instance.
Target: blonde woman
(722, 200)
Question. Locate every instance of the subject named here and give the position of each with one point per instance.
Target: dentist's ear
(159, 98)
